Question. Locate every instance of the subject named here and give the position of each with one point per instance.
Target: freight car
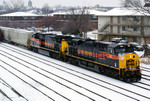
(16, 36)
(116, 60)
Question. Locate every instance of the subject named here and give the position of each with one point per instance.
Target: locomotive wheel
(108, 72)
(127, 79)
(102, 70)
(50, 54)
(35, 50)
(70, 60)
(73, 61)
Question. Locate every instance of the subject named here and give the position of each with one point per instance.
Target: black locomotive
(117, 60)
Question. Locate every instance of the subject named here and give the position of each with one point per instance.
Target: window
(124, 49)
(135, 39)
(95, 17)
(120, 50)
(25, 17)
(110, 51)
(25, 21)
(123, 28)
(135, 28)
(136, 18)
(124, 37)
(94, 22)
(64, 16)
(124, 18)
(33, 18)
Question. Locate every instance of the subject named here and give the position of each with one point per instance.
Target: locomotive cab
(128, 60)
(128, 63)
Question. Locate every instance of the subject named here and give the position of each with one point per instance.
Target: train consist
(116, 60)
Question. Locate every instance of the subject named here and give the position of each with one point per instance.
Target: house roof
(123, 12)
(92, 12)
(20, 14)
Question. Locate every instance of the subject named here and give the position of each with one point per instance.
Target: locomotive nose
(131, 61)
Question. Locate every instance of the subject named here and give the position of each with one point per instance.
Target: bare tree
(49, 21)
(46, 9)
(14, 5)
(79, 18)
(70, 27)
(138, 5)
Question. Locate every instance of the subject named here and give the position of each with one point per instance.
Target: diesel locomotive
(117, 60)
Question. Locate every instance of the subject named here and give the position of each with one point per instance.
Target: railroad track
(26, 82)
(52, 79)
(3, 93)
(146, 74)
(11, 88)
(91, 77)
(145, 68)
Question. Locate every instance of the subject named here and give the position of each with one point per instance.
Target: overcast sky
(40, 3)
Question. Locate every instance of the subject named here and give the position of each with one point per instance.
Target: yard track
(3, 93)
(10, 87)
(73, 72)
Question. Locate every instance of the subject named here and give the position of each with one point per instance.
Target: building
(30, 4)
(19, 19)
(65, 16)
(126, 23)
(2, 7)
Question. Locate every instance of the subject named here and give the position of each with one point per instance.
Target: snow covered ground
(29, 76)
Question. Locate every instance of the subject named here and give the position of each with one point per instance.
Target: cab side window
(36, 35)
(110, 51)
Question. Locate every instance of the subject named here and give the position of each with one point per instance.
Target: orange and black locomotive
(116, 60)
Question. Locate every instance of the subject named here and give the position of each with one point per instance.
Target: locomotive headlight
(122, 58)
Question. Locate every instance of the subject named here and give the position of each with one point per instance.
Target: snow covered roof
(20, 14)
(122, 12)
(93, 12)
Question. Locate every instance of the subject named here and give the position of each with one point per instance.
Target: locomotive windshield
(124, 49)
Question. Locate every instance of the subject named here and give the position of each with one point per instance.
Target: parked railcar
(117, 60)
(16, 36)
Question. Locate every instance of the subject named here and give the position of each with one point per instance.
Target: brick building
(19, 19)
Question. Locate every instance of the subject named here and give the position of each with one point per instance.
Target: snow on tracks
(71, 81)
